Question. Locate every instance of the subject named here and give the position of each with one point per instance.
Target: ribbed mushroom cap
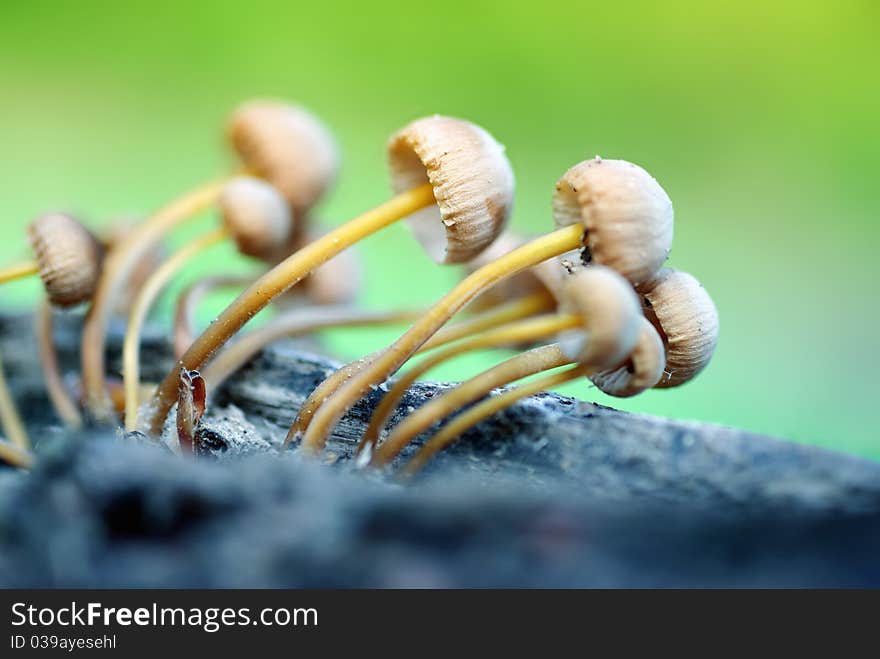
(257, 216)
(68, 256)
(472, 181)
(611, 313)
(687, 320)
(288, 146)
(627, 215)
(641, 370)
(544, 277)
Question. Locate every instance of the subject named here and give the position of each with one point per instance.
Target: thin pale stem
(63, 403)
(278, 280)
(12, 424)
(508, 312)
(295, 323)
(119, 265)
(389, 361)
(187, 303)
(18, 271)
(511, 334)
(450, 433)
(144, 301)
(518, 367)
(15, 456)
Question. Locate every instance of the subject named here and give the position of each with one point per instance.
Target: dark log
(552, 492)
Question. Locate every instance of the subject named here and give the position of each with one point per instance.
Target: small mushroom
(282, 143)
(608, 292)
(255, 218)
(463, 170)
(633, 201)
(68, 259)
(687, 321)
(608, 312)
(287, 146)
(627, 217)
(482, 321)
(641, 370)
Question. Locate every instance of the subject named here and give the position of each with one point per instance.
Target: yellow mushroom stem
(523, 365)
(15, 456)
(517, 309)
(119, 265)
(514, 333)
(12, 424)
(62, 402)
(145, 299)
(18, 271)
(514, 310)
(296, 323)
(450, 433)
(278, 280)
(390, 360)
(188, 301)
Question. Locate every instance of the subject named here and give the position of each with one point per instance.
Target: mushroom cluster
(592, 298)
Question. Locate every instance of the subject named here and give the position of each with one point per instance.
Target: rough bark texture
(553, 492)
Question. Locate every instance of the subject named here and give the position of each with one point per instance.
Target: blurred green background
(759, 118)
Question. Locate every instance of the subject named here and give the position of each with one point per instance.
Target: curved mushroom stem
(18, 271)
(295, 323)
(523, 307)
(520, 366)
(386, 364)
(188, 301)
(118, 267)
(514, 310)
(141, 307)
(451, 432)
(12, 424)
(15, 456)
(279, 279)
(64, 404)
(526, 330)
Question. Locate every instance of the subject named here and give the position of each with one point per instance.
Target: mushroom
(687, 321)
(607, 311)
(646, 368)
(537, 281)
(68, 259)
(453, 184)
(611, 210)
(487, 319)
(281, 143)
(255, 217)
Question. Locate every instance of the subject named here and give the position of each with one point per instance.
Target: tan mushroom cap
(288, 146)
(69, 258)
(627, 215)
(544, 277)
(687, 320)
(611, 313)
(641, 370)
(472, 181)
(257, 216)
